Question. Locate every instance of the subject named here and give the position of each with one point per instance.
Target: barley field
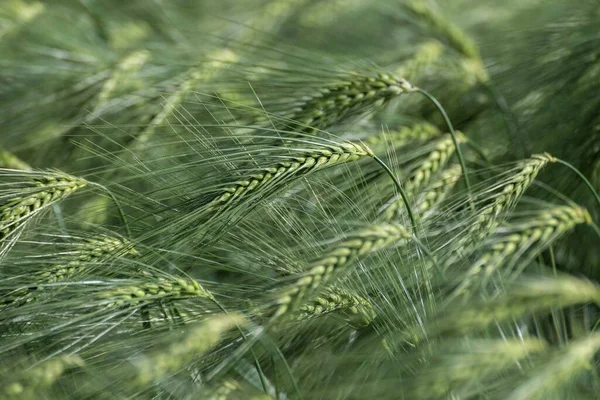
(300, 199)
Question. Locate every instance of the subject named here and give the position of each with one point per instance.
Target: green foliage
(258, 199)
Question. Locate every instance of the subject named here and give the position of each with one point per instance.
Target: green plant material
(426, 55)
(530, 236)
(457, 366)
(563, 366)
(335, 261)
(402, 137)
(183, 350)
(81, 258)
(336, 299)
(34, 382)
(123, 69)
(154, 290)
(10, 161)
(528, 296)
(285, 171)
(337, 102)
(431, 165)
(438, 190)
(17, 211)
(16, 13)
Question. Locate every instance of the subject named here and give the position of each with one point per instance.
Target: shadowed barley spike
(10, 161)
(17, 211)
(230, 389)
(335, 261)
(335, 103)
(95, 249)
(128, 65)
(181, 352)
(426, 55)
(540, 231)
(337, 299)
(33, 383)
(188, 82)
(15, 14)
(566, 364)
(527, 296)
(436, 160)
(453, 35)
(151, 291)
(456, 364)
(437, 191)
(281, 172)
(404, 136)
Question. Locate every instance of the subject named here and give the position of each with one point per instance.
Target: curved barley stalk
(334, 262)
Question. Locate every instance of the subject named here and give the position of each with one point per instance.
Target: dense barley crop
(296, 199)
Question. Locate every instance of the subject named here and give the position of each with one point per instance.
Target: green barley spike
(17, 211)
(336, 260)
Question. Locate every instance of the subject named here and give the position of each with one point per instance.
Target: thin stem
(118, 205)
(461, 159)
(583, 178)
(400, 190)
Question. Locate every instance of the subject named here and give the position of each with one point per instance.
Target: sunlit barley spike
(426, 55)
(35, 381)
(511, 191)
(297, 166)
(456, 363)
(526, 296)
(335, 261)
(335, 103)
(539, 232)
(404, 136)
(17, 211)
(435, 161)
(566, 364)
(10, 161)
(337, 299)
(153, 291)
(183, 350)
(124, 68)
